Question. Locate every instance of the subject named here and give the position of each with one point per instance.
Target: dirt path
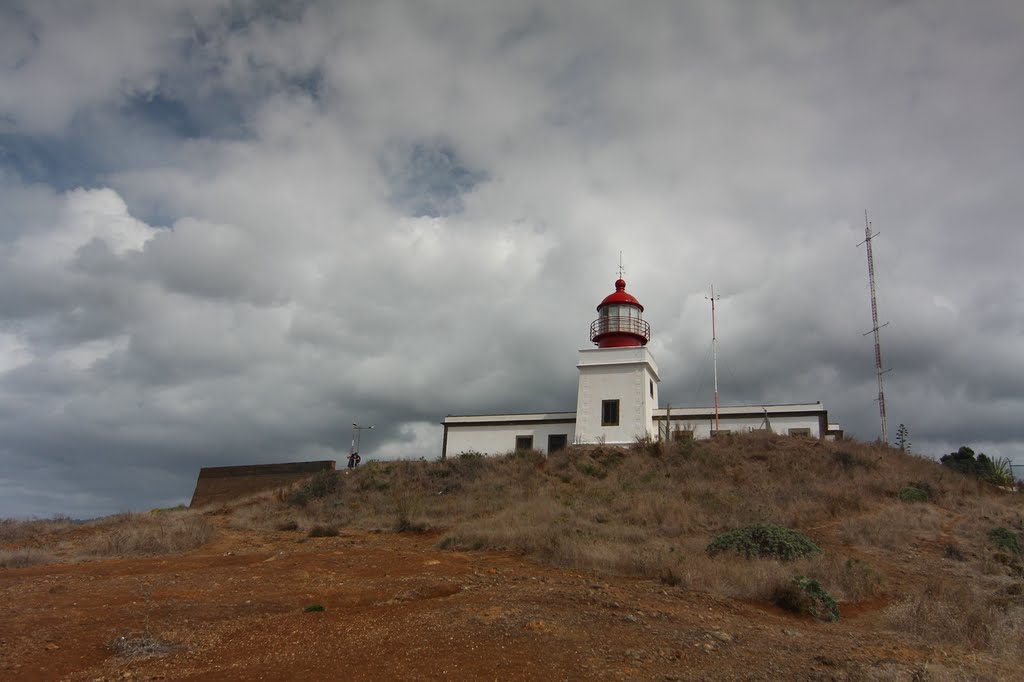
(396, 608)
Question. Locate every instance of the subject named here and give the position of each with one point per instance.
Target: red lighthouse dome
(620, 322)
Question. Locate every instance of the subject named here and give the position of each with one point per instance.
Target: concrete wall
(217, 485)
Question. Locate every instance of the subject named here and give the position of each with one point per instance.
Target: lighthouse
(618, 380)
(617, 400)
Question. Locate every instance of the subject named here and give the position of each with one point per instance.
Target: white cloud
(387, 212)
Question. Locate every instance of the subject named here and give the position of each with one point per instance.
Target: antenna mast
(714, 349)
(868, 236)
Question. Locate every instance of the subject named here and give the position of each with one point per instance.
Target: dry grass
(20, 558)
(651, 511)
(15, 530)
(892, 526)
(962, 612)
(136, 534)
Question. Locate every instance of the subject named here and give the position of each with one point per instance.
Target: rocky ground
(395, 607)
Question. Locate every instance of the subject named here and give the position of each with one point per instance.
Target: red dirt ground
(397, 608)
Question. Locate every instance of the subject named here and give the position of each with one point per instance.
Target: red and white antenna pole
(714, 349)
(868, 236)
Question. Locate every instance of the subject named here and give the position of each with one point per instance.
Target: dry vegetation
(136, 534)
(934, 552)
(38, 541)
(650, 511)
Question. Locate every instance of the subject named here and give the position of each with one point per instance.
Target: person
(353, 460)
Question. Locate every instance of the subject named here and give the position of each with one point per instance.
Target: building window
(804, 433)
(524, 442)
(609, 413)
(652, 387)
(557, 441)
(682, 434)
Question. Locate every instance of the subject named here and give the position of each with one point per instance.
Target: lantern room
(620, 322)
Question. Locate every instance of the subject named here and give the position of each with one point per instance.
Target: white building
(617, 401)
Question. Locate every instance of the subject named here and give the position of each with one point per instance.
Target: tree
(903, 438)
(997, 471)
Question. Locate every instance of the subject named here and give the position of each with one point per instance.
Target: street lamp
(353, 455)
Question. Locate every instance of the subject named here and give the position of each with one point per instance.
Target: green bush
(314, 608)
(912, 493)
(806, 596)
(764, 540)
(1005, 539)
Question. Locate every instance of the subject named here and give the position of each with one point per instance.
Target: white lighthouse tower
(618, 389)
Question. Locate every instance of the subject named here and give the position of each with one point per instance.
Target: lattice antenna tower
(875, 327)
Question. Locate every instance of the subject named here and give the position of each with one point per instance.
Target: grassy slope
(650, 512)
(928, 569)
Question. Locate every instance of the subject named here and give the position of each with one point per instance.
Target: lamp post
(353, 455)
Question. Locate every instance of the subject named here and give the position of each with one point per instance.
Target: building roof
(517, 418)
(736, 410)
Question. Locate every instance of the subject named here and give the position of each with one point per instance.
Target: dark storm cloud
(229, 230)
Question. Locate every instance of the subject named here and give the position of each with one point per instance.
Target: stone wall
(217, 485)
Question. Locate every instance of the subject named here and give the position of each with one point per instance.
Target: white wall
(501, 438)
(623, 374)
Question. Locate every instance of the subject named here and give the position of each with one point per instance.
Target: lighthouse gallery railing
(627, 325)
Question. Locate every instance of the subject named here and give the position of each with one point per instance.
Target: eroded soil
(398, 608)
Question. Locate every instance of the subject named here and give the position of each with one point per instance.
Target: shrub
(806, 596)
(21, 558)
(290, 524)
(323, 532)
(1005, 539)
(912, 493)
(132, 534)
(314, 608)
(670, 577)
(953, 552)
(847, 460)
(592, 470)
(764, 540)
(320, 485)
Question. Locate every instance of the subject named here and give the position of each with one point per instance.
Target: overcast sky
(228, 230)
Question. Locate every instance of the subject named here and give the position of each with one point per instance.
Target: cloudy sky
(228, 230)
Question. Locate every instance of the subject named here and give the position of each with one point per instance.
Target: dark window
(806, 433)
(652, 387)
(681, 434)
(524, 442)
(556, 442)
(609, 413)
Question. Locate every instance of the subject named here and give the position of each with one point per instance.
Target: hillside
(589, 564)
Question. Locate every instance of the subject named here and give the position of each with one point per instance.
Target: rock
(721, 636)
(52, 647)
